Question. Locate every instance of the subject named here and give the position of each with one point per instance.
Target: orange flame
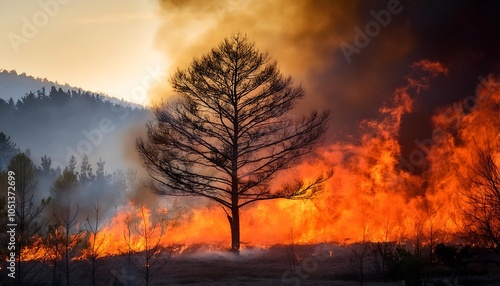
(369, 196)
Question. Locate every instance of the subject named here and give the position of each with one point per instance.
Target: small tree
(28, 210)
(360, 253)
(86, 176)
(65, 184)
(481, 199)
(8, 150)
(293, 257)
(153, 257)
(129, 241)
(229, 133)
(70, 238)
(382, 252)
(142, 231)
(53, 241)
(65, 236)
(96, 242)
(101, 177)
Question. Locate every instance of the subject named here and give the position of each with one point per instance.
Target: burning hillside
(373, 195)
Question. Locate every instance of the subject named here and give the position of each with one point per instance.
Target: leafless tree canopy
(482, 198)
(229, 133)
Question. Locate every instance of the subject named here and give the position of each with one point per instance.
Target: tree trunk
(234, 222)
(93, 269)
(20, 258)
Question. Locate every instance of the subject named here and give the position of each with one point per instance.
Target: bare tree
(360, 253)
(129, 251)
(96, 242)
(433, 231)
(292, 256)
(153, 257)
(229, 134)
(382, 252)
(142, 230)
(70, 238)
(53, 242)
(59, 239)
(482, 197)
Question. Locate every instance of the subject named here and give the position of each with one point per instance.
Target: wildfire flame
(371, 194)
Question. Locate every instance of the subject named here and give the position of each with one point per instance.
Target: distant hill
(16, 85)
(60, 121)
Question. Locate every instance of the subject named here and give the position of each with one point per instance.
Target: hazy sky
(116, 46)
(103, 46)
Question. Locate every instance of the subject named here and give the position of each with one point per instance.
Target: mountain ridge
(62, 121)
(16, 85)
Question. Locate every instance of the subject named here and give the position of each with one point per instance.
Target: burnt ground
(325, 264)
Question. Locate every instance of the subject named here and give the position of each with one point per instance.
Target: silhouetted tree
(292, 256)
(58, 96)
(8, 150)
(46, 165)
(28, 210)
(12, 105)
(432, 232)
(46, 172)
(95, 248)
(481, 203)
(228, 135)
(7, 107)
(86, 176)
(101, 176)
(65, 183)
(153, 257)
(64, 238)
(382, 251)
(360, 253)
(52, 241)
(129, 240)
(69, 237)
(143, 249)
(4, 106)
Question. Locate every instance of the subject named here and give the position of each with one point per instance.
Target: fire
(131, 230)
(372, 194)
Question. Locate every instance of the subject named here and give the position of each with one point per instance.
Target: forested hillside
(63, 123)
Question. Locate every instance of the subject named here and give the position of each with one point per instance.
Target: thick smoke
(299, 36)
(452, 38)
(305, 38)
